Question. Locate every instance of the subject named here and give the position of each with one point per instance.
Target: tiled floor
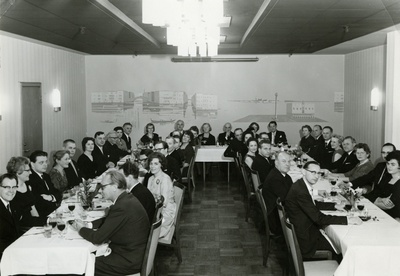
(215, 238)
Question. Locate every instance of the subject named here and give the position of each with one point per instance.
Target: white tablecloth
(372, 248)
(212, 154)
(35, 254)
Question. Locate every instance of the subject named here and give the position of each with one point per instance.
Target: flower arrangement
(85, 195)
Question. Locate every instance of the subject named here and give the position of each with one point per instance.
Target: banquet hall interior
(70, 68)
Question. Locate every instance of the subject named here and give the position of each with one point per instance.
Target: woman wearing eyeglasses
(160, 184)
(24, 199)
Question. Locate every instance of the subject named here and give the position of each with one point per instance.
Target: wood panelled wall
(24, 61)
(365, 70)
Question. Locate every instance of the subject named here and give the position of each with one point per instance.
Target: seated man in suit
(277, 184)
(174, 150)
(111, 148)
(126, 227)
(47, 197)
(377, 175)
(100, 154)
(72, 172)
(179, 126)
(237, 145)
(262, 162)
(146, 198)
(173, 169)
(349, 159)
(226, 136)
(306, 217)
(125, 136)
(276, 136)
(324, 150)
(9, 217)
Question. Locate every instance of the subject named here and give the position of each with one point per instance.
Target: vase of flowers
(85, 195)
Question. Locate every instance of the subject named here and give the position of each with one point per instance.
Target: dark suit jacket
(308, 145)
(324, 154)
(9, 227)
(222, 139)
(177, 154)
(235, 147)
(113, 152)
(280, 137)
(127, 140)
(173, 169)
(373, 179)
(274, 186)
(127, 228)
(346, 163)
(38, 185)
(73, 178)
(262, 166)
(306, 218)
(101, 159)
(146, 198)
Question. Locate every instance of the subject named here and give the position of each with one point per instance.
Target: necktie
(45, 183)
(9, 208)
(344, 161)
(72, 164)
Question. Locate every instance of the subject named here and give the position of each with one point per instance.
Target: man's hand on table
(78, 224)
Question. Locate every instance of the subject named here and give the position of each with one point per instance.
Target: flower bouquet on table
(86, 194)
(352, 195)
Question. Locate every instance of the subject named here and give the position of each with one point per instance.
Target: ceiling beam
(117, 14)
(256, 20)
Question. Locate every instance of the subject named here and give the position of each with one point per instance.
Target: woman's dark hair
(147, 126)
(118, 128)
(307, 127)
(364, 147)
(251, 126)
(251, 140)
(160, 157)
(84, 142)
(394, 155)
(195, 128)
(190, 134)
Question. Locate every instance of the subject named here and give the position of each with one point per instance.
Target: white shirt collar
(5, 202)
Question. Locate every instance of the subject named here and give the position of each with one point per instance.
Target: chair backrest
(294, 248)
(282, 219)
(246, 181)
(256, 179)
(151, 248)
(179, 191)
(264, 210)
(191, 167)
(159, 208)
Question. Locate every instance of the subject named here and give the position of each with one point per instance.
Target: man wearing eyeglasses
(125, 229)
(111, 148)
(9, 227)
(306, 217)
(173, 169)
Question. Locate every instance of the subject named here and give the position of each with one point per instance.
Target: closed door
(32, 132)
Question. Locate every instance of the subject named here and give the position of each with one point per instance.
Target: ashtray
(365, 218)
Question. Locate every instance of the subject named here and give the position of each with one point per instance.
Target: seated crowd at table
(134, 178)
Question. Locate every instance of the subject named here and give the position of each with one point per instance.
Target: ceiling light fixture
(192, 25)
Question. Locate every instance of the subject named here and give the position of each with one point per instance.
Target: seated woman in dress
(57, 174)
(86, 163)
(187, 150)
(226, 136)
(149, 138)
(206, 138)
(253, 128)
(362, 168)
(252, 146)
(386, 195)
(119, 141)
(160, 184)
(195, 131)
(24, 200)
(336, 144)
(307, 142)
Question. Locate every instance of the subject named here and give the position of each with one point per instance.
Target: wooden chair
(249, 193)
(266, 244)
(256, 180)
(189, 178)
(313, 268)
(173, 237)
(159, 208)
(150, 251)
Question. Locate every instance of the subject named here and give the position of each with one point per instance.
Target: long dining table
(372, 248)
(34, 254)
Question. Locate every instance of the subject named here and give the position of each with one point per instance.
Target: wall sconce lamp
(374, 99)
(56, 100)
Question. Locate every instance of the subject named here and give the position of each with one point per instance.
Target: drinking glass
(61, 227)
(71, 207)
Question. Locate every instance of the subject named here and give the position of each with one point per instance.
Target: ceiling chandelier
(192, 25)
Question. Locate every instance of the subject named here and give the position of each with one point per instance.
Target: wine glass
(61, 227)
(53, 222)
(71, 207)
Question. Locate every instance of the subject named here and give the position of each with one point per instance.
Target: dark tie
(45, 183)
(344, 161)
(72, 164)
(9, 208)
